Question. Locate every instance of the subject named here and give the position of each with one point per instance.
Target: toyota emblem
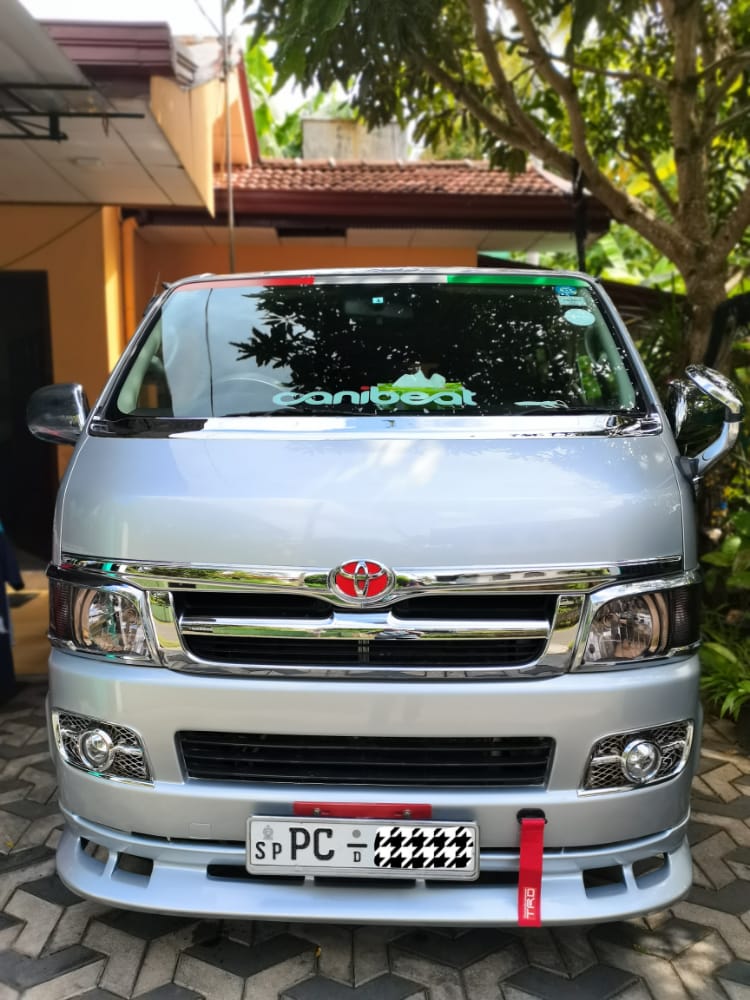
(361, 580)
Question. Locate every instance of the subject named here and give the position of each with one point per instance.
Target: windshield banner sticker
(384, 396)
(423, 386)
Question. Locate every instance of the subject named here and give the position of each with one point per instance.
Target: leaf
(718, 558)
(584, 11)
(735, 700)
(334, 13)
(716, 650)
(291, 65)
(739, 581)
(741, 522)
(726, 554)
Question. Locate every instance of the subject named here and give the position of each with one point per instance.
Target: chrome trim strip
(408, 583)
(315, 428)
(375, 625)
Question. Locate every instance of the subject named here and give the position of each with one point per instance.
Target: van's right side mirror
(705, 414)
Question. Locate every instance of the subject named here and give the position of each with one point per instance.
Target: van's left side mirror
(705, 414)
(57, 413)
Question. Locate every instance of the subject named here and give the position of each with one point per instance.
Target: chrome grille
(460, 607)
(493, 761)
(450, 632)
(388, 652)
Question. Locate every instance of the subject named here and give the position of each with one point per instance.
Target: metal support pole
(228, 139)
(579, 212)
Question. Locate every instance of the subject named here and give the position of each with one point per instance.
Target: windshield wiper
(558, 406)
(157, 426)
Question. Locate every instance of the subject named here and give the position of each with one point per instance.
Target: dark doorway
(28, 474)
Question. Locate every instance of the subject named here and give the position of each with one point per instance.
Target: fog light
(101, 749)
(626, 761)
(96, 749)
(640, 761)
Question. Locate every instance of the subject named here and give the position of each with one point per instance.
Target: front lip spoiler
(179, 884)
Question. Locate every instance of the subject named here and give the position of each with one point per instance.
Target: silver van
(374, 598)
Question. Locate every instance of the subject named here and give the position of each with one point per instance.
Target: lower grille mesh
(351, 760)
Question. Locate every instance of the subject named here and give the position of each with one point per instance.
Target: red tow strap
(530, 871)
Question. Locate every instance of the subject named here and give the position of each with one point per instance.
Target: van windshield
(397, 344)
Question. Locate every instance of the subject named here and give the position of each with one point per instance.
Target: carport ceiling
(528, 241)
(125, 161)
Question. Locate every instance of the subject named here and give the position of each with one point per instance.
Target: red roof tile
(454, 177)
(314, 194)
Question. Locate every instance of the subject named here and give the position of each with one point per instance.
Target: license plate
(362, 848)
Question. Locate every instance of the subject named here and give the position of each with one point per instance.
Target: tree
(597, 92)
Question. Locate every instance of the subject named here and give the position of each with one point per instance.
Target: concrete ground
(54, 945)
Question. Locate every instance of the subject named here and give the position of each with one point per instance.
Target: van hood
(247, 499)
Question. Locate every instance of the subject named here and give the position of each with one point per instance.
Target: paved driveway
(57, 945)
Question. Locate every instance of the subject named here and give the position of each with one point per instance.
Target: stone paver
(54, 945)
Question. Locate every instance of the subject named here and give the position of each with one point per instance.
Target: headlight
(105, 620)
(635, 625)
(628, 628)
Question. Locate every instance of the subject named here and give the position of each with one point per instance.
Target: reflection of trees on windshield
(506, 345)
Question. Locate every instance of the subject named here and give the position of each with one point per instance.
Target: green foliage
(375, 52)
(725, 654)
(620, 56)
(458, 145)
(725, 658)
(650, 101)
(281, 134)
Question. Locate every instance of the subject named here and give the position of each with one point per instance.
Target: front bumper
(209, 880)
(184, 825)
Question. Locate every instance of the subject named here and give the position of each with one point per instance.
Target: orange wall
(158, 262)
(187, 118)
(78, 247)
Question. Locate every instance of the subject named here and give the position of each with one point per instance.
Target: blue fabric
(9, 574)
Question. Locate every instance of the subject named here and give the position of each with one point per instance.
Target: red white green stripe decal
(383, 278)
(514, 279)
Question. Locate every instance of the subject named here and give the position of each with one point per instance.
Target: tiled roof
(455, 177)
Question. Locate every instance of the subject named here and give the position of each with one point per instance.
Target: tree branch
(614, 74)
(644, 162)
(740, 57)
(682, 17)
(464, 95)
(503, 87)
(727, 122)
(734, 280)
(624, 208)
(719, 92)
(730, 233)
